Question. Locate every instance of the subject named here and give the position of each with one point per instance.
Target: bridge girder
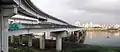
(27, 8)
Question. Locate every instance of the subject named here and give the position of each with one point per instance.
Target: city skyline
(78, 22)
(90, 24)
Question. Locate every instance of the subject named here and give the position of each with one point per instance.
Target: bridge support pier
(4, 34)
(30, 41)
(59, 35)
(11, 39)
(42, 41)
(6, 11)
(78, 35)
(58, 43)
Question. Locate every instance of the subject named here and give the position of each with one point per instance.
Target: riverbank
(71, 47)
(75, 47)
(100, 29)
(112, 31)
(89, 48)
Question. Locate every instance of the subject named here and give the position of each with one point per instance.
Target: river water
(102, 38)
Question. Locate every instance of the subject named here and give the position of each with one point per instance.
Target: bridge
(43, 23)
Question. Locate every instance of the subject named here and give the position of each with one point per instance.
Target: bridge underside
(39, 30)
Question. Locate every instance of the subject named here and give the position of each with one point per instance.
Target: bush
(92, 49)
(108, 50)
(20, 49)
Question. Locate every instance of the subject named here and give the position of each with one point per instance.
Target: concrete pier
(58, 43)
(82, 35)
(11, 39)
(59, 36)
(7, 11)
(4, 34)
(42, 41)
(29, 41)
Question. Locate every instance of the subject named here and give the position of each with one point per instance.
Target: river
(102, 38)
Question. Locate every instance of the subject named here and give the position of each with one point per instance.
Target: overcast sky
(96, 11)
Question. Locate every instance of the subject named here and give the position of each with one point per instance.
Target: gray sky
(96, 11)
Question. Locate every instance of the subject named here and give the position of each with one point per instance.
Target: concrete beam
(9, 10)
(15, 18)
(37, 30)
(29, 31)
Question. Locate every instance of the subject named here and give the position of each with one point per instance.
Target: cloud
(96, 11)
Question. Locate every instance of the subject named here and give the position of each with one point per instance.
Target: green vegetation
(17, 46)
(92, 49)
(20, 49)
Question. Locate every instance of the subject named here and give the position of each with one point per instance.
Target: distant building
(90, 25)
(77, 23)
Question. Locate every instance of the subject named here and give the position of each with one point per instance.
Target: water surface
(103, 38)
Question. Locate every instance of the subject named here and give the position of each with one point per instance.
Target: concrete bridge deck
(43, 27)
